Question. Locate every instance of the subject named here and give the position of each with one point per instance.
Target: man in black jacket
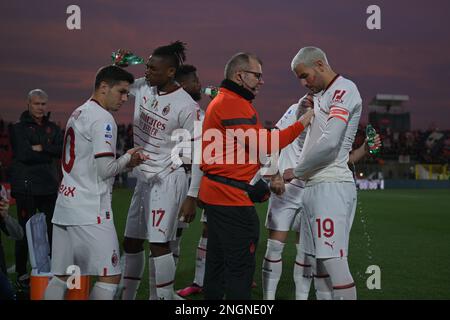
(36, 144)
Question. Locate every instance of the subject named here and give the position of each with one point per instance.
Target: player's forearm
(357, 154)
(13, 228)
(196, 177)
(324, 151)
(109, 167)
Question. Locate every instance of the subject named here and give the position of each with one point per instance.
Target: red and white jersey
(340, 100)
(156, 117)
(84, 198)
(290, 155)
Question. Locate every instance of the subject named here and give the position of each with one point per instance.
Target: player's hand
(305, 104)
(277, 184)
(188, 210)
(4, 206)
(37, 148)
(288, 174)
(305, 119)
(377, 143)
(137, 157)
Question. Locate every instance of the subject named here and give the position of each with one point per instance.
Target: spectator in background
(11, 228)
(36, 144)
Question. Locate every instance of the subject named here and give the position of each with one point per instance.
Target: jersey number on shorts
(68, 165)
(160, 213)
(327, 226)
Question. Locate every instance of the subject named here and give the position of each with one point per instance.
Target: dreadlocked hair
(176, 52)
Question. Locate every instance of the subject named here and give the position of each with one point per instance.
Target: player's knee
(131, 245)
(110, 279)
(278, 235)
(160, 249)
(338, 270)
(274, 249)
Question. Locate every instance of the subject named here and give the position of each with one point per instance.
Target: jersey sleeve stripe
(338, 117)
(239, 121)
(339, 110)
(104, 154)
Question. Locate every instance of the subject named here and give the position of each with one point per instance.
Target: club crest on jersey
(114, 259)
(166, 110)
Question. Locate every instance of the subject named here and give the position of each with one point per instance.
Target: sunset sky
(409, 55)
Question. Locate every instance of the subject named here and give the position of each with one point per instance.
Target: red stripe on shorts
(164, 284)
(345, 286)
(273, 261)
(303, 265)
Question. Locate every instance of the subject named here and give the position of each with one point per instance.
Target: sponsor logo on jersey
(67, 191)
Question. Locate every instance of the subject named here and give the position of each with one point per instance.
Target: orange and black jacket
(232, 109)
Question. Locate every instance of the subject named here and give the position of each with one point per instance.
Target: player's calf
(272, 268)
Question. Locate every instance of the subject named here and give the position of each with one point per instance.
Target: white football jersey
(84, 198)
(340, 100)
(290, 155)
(156, 117)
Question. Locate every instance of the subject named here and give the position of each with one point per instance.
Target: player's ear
(171, 72)
(320, 65)
(104, 86)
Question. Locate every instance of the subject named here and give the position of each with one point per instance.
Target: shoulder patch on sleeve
(108, 130)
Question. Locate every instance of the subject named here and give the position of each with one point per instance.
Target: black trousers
(28, 205)
(233, 234)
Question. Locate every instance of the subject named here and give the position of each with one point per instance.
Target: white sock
(322, 282)
(343, 286)
(132, 274)
(272, 268)
(302, 275)
(164, 276)
(151, 279)
(175, 248)
(200, 262)
(56, 289)
(103, 291)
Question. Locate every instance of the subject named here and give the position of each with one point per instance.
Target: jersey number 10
(68, 165)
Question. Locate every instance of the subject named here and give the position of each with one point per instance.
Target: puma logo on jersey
(330, 244)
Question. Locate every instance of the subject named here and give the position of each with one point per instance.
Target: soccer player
(83, 233)
(188, 78)
(284, 211)
(329, 197)
(161, 107)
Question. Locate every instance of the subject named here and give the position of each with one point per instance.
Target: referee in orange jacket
(233, 224)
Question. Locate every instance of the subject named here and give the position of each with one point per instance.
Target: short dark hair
(184, 71)
(112, 75)
(175, 52)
